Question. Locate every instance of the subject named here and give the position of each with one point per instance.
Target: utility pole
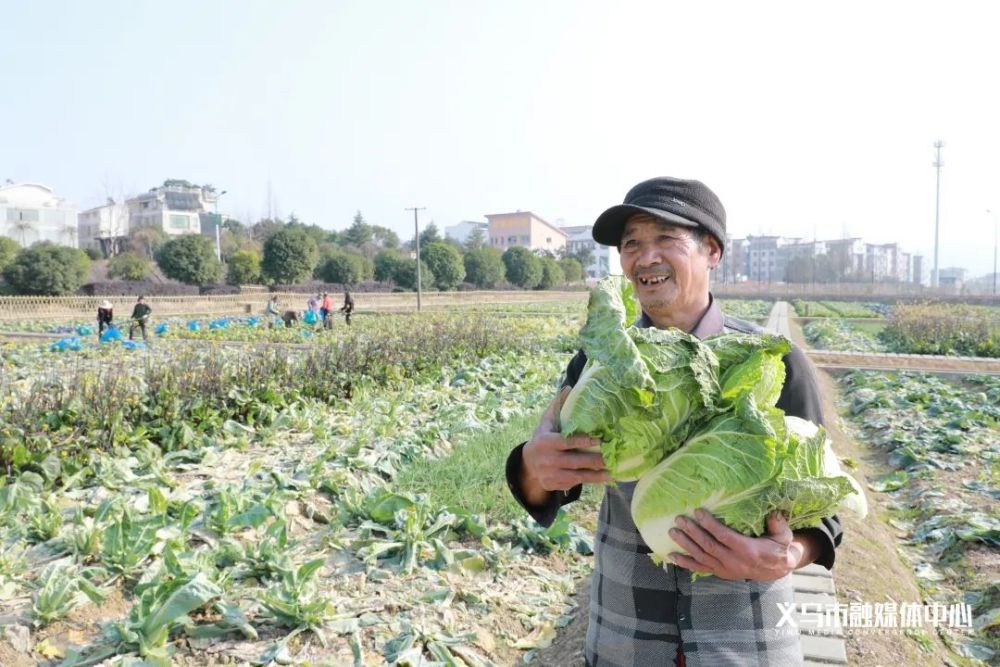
(218, 226)
(935, 281)
(994, 250)
(416, 243)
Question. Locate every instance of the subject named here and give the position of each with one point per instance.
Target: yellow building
(525, 229)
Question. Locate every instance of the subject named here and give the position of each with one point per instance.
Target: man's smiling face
(668, 266)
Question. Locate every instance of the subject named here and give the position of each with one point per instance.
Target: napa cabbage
(741, 468)
(640, 387)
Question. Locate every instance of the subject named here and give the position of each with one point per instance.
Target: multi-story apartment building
(175, 208)
(764, 264)
(898, 263)
(104, 227)
(877, 262)
(461, 231)
(30, 212)
(605, 258)
(733, 267)
(847, 257)
(793, 249)
(917, 270)
(525, 229)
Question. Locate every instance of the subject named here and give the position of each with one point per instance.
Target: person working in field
(671, 234)
(140, 318)
(105, 317)
(326, 311)
(271, 310)
(348, 306)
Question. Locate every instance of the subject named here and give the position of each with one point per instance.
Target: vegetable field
(269, 503)
(938, 329)
(942, 441)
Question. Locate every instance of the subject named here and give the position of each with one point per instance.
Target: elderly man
(671, 234)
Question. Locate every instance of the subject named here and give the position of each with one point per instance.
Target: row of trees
(278, 252)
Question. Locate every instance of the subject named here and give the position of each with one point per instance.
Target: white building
(175, 208)
(605, 258)
(30, 212)
(104, 227)
(460, 232)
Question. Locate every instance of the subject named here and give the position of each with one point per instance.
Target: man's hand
(719, 550)
(551, 462)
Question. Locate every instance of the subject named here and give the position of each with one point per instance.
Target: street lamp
(218, 226)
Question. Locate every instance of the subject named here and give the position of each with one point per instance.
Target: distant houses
(769, 259)
(525, 229)
(30, 212)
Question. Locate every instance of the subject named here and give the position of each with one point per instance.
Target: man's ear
(714, 251)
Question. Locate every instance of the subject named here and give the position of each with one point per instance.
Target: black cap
(672, 200)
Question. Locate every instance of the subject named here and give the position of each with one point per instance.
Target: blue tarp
(63, 344)
(193, 325)
(84, 330)
(111, 334)
(161, 329)
(133, 345)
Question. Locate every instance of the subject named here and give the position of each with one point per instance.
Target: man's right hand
(551, 462)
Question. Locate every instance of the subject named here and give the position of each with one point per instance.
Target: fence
(58, 308)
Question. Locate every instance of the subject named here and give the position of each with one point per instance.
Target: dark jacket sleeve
(546, 514)
(800, 397)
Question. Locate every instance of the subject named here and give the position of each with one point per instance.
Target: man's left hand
(719, 550)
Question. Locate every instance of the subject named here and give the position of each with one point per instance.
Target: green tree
(8, 251)
(190, 259)
(244, 268)
(128, 266)
(340, 266)
(290, 255)
(94, 254)
(383, 237)
(406, 274)
(359, 233)
(476, 239)
(262, 230)
(49, 269)
(484, 267)
(552, 274)
(146, 241)
(429, 235)
(571, 268)
(445, 262)
(582, 254)
(386, 264)
(524, 269)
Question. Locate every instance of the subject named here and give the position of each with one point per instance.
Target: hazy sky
(806, 118)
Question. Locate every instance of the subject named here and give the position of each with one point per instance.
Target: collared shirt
(641, 613)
